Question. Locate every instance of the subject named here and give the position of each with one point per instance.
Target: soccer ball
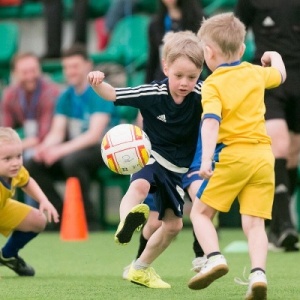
(125, 149)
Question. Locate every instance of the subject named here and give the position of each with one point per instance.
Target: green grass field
(92, 270)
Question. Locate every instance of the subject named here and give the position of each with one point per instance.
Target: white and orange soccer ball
(125, 149)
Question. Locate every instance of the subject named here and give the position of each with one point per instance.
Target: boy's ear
(209, 51)
(165, 68)
(242, 50)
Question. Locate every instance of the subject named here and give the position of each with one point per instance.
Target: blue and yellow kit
(243, 161)
(12, 212)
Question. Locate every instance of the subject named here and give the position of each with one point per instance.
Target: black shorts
(166, 187)
(284, 102)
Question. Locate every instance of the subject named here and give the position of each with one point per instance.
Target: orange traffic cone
(73, 224)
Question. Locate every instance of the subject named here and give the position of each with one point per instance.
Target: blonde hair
(7, 134)
(182, 44)
(226, 31)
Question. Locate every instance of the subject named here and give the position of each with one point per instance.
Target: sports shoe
(198, 263)
(257, 289)
(136, 218)
(146, 277)
(18, 265)
(125, 272)
(288, 239)
(214, 268)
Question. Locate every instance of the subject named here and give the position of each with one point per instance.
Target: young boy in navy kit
(171, 111)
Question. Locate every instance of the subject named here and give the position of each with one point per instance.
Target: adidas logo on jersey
(281, 188)
(162, 118)
(268, 22)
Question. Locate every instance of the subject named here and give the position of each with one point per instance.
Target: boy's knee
(251, 222)
(174, 227)
(194, 214)
(38, 221)
(141, 187)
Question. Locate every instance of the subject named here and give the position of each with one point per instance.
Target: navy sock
(17, 241)
(213, 254)
(143, 243)
(257, 269)
(281, 217)
(196, 247)
(293, 179)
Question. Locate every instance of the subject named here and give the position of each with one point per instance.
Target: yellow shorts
(11, 215)
(245, 171)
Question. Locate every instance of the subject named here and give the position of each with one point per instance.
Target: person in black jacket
(276, 26)
(172, 15)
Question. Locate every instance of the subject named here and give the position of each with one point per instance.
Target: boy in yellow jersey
(237, 160)
(23, 222)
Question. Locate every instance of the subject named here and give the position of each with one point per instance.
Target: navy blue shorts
(166, 187)
(187, 179)
(150, 202)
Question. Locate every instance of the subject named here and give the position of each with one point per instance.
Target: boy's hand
(51, 213)
(206, 169)
(266, 59)
(95, 78)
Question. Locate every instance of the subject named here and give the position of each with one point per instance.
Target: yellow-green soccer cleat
(136, 218)
(146, 277)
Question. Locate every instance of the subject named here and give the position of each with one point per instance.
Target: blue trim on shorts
(202, 188)
(188, 180)
(218, 150)
(150, 202)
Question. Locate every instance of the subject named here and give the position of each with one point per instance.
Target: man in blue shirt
(71, 148)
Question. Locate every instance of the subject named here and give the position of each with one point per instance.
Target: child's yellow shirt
(7, 190)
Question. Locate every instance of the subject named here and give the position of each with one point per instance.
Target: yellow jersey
(234, 95)
(7, 190)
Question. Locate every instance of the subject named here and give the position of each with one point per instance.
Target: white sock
(139, 265)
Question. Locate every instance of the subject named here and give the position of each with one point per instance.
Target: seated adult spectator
(72, 146)
(28, 102)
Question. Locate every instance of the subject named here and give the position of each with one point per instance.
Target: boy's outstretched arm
(209, 135)
(33, 190)
(103, 89)
(274, 59)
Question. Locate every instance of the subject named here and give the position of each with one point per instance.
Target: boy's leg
(200, 258)
(149, 228)
(216, 265)
(140, 272)
(32, 221)
(254, 229)
(132, 213)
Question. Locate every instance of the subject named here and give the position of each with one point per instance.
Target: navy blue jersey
(172, 128)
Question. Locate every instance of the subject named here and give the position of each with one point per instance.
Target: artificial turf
(92, 270)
